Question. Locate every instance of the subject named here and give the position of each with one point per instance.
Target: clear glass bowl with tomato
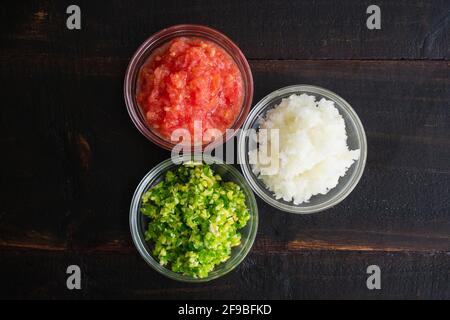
(188, 79)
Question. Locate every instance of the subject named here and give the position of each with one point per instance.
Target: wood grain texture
(264, 29)
(300, 275)
(71, 157)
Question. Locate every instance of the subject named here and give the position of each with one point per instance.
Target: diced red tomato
(191, 80)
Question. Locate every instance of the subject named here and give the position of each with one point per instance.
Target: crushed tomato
(190, 83)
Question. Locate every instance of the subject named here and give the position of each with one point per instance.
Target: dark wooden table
(71, 157)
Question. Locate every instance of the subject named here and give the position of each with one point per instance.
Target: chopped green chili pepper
(194, 219)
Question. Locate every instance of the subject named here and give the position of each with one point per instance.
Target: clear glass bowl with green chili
(193, 221)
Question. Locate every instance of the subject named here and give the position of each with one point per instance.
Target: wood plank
(320, 239)
(301, 275)
(410, 103)
(73, 162)
(411, 29)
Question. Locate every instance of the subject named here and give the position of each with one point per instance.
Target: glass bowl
(139, 222)
(356, 140)
(160, 39)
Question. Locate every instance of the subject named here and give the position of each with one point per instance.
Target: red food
(190, 83)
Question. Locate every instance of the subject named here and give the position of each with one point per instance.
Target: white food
(313, 152)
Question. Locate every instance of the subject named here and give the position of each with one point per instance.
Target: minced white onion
(313, 152)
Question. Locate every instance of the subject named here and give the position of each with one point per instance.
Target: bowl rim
(139, 241)
(159, 38)
(258, 111)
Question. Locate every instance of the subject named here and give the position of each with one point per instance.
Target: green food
(195, 219)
